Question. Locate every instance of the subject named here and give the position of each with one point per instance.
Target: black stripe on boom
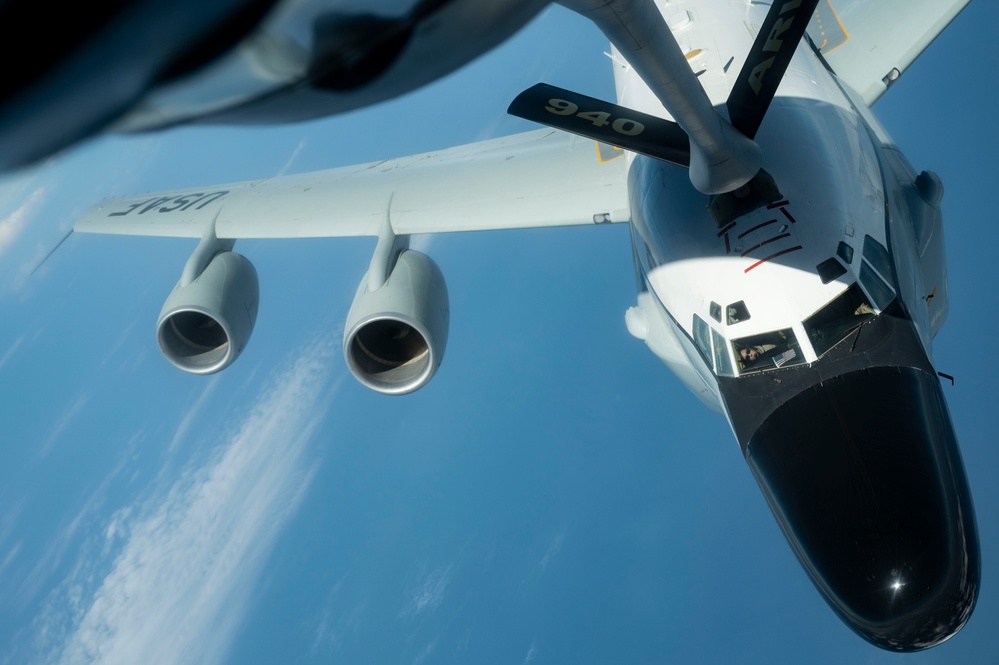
(767, 62)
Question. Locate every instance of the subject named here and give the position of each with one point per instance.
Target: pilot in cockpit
(750, 354)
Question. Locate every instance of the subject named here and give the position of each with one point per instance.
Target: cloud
(32, 582)
(530, 653)
(428, 592)
(9, 557)
(10, 516)
(193, 412)
(179, 586)
(553, 550)
(334, 623)
(8, 521)
(64, 187)
(9, 353)
(14, 224)
(425, 652)
(113, 353)
(291, 159)
(62, 424)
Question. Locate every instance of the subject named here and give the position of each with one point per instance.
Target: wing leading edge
(535, 179)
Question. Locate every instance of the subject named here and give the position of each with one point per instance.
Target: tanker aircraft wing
(538, 178)
(852, 37)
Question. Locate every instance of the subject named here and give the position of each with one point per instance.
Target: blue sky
(554, 495)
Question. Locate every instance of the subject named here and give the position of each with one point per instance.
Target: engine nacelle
(396, 334)
(205, 323)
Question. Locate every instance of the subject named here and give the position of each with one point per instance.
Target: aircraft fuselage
(803, 308)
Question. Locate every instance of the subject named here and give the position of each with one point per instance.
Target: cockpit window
(723, 362)
(834, 322)
(829, 270)
(759, 353)
(845, 252)
(712, 347)
(876, 253)
(880, 292)
(875, 280)
(736, 313)
(702, 338)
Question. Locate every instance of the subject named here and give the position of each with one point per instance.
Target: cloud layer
(181, 579)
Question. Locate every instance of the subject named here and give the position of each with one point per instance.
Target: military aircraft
(791, 270)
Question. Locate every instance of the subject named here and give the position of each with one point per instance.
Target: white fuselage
(821, 145)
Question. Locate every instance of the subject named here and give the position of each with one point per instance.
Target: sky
(553, 495)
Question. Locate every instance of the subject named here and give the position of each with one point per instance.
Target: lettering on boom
(773, 45)
(194, 200)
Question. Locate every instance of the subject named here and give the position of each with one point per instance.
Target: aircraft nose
(864, 476)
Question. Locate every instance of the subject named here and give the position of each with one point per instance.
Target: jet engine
(397, 329)
(206, 321)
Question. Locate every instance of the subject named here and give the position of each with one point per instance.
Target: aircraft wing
(539, 178)
(870, 43)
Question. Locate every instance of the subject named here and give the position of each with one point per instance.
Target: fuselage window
(715, 311)
(736, 313)
(769, 351)
(834, 322)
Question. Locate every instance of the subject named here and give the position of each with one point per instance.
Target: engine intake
(205, 323)
(396, 334)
